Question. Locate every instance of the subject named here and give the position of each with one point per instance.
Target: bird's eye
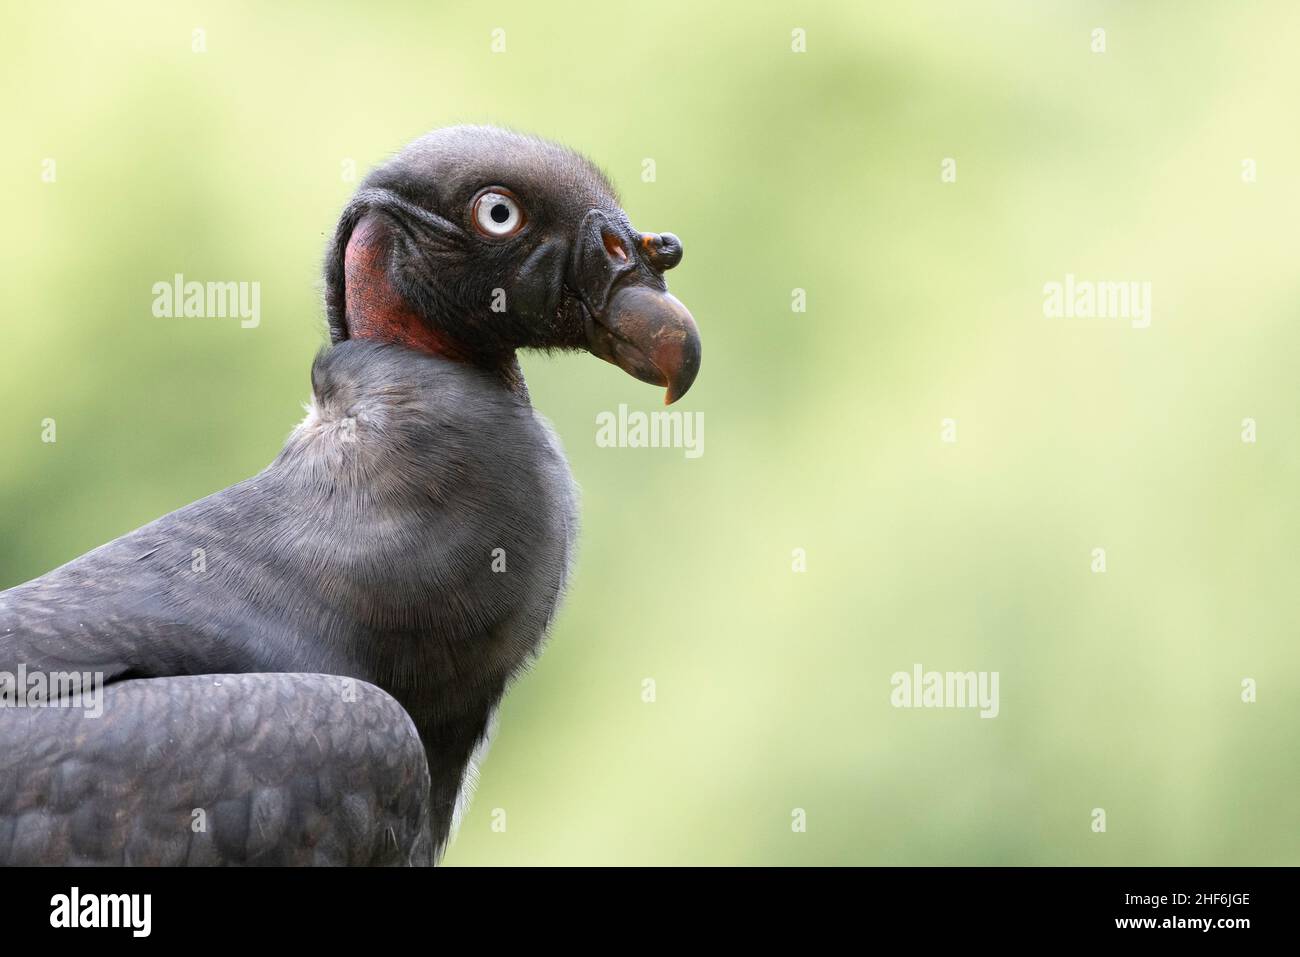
(497, 214)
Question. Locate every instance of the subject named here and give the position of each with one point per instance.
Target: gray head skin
(415, 535)
(418, 258)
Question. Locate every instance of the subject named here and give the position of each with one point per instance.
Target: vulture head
(474, 242)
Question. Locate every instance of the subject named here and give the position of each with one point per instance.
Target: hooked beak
(630, 317)
(648, 334)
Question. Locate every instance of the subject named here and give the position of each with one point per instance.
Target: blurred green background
(779, 170)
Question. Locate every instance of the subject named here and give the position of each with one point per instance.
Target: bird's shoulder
(284, 769)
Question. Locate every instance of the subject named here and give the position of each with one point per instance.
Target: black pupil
(500, 213)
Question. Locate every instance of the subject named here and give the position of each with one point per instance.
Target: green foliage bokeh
(779, 170)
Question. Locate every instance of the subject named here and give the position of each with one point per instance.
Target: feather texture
(365, 550)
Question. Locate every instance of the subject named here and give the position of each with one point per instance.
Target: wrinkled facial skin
(409, 262)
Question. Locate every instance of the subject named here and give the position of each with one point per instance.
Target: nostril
(614, 246)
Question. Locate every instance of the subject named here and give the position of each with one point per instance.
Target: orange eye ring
(496, 213)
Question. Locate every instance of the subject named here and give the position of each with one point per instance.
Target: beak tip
(678, 386)
(650, 335)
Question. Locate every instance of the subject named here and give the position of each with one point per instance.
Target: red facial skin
(374, 309)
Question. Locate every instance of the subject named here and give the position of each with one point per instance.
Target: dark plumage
(414, 534)
(218, 769)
